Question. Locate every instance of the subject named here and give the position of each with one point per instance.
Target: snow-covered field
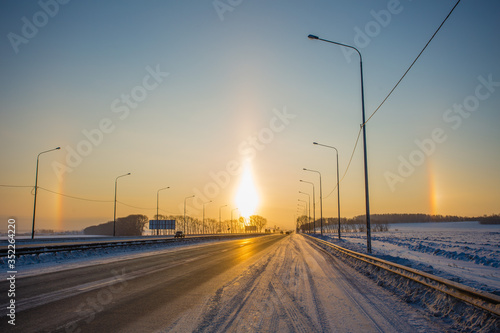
(465, 252)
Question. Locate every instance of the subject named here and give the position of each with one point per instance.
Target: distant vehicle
(288, 232)
(179, 234)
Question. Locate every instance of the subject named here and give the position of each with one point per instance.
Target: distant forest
(492, 219)
(380, 222)
(132, 225)
(416, 218)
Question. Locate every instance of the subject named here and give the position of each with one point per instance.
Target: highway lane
(143, 294)
(67, 241)
(301, 288)
(273, 283)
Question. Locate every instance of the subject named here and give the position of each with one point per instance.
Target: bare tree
(211, 225)
(258, 221)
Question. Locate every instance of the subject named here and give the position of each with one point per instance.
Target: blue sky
(229, 73)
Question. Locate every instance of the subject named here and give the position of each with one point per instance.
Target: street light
(232, 210)
(220, 223)
(320, 197)
(338, 183)
(305, 202)
(192, 196)
(367, 197)
(157, 200)
(309, 217)
(301, 209)
(314, 206)
(204, 215)
(114, 214)
(36, 188)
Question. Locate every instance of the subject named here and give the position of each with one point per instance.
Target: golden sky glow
(179, 96)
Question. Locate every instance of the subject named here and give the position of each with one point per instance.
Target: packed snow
(293, 287)
(464, 252)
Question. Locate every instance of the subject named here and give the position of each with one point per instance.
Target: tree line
(135, 225)
(331, 224)
(132, 225)
(193, 225)
(380, 222)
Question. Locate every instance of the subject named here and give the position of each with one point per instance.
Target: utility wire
(94, 200)
(413, 63)
(136, 206)
(84, 199)
(73, 197)
(16, 185)
(392, 90)
(348, 165)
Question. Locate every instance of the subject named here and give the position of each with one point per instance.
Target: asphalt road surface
(273, 283)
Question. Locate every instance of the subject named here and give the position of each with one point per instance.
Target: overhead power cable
(73, 197)
(392, 90)
(413, 63)
(16, 185)
(84, 199)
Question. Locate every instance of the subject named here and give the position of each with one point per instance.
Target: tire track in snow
(297, 287)
(259, 300)
(384, 319)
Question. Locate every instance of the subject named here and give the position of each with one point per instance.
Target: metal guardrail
(483, 300)
(20, 250)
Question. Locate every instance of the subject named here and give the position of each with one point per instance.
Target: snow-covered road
(273, 283)
(295, 287)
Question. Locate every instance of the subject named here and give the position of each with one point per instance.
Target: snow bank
(461, 316)
(464, 252)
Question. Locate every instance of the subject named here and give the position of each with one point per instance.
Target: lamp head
(315, 143)
(312, 37)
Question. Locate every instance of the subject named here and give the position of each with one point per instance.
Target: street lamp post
(232, 210)
(157, 201)
(314, 207)
(309, 215)
(192, 196)
(220, 223)
(367, 196)
(114, 214)
(298, 213)
(302, 210)
(320, 197)
(204, 215)
(305, 202)
(36, 188)
(338, 183)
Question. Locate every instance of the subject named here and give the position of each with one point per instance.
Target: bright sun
(246, 197)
